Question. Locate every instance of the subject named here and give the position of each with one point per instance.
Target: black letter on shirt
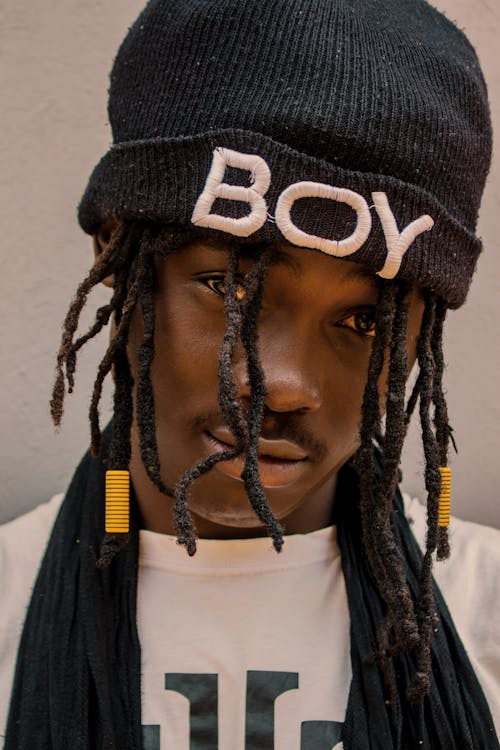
(320, 735)
(262, 690)
(151, 736)
(201, 692)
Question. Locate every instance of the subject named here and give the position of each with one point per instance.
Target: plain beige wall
(55, 58)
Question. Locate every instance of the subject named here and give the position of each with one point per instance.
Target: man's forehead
(286, 254)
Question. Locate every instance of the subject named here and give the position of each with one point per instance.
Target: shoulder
(22, 544)
(471, 575)
(25, 537)
(475, 549)
(470, 583)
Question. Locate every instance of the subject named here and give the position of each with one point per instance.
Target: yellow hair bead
(444, 497)
(117, 502)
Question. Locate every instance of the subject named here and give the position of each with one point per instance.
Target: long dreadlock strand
(145, 405)
(394, 589)
(102, 318)
(151, 239)
(370, 411)
(425, 603)
(162, 240)
(133, 283)
(120, 449)
(409, 631)
(370, 419)
(370, 425)
(241, 319)
(118, 341)
(121, 270)
(389, 564)
(378, 535)
(98, 272)
(228, 395)
(395, 403)
(118, 258)
(412, 401)
(443, 429)
(228, 401)
(431, 360)
(258, 393)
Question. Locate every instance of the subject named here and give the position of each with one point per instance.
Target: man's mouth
(280, 462)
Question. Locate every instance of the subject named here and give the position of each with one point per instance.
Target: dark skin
(315, 335)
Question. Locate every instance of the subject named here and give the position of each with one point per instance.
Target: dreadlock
(130, 256)
(409, 623)
(241, 317)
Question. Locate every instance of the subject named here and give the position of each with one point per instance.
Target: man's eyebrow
(354, 273)
(280, 256)
(358, 271)
(224, 245)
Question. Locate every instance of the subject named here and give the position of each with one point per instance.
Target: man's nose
(291, 375)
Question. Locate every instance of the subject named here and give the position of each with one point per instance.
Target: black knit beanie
(356, 127)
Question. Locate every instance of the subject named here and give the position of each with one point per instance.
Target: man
(285, 217)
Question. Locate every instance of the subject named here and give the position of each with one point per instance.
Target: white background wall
(55, 57)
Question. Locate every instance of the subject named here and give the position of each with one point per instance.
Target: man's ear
(101, 241)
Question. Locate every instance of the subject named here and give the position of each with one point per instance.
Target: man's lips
(280, 462)
(284, 450)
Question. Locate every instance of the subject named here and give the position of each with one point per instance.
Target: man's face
(315, 334)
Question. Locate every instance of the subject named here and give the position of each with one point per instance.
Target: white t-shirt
(243, 648)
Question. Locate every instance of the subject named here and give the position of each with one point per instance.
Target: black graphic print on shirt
(263, 688)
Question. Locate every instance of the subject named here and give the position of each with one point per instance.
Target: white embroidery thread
(293, 234)
(260, 178)
(397, 242)
(216, 188)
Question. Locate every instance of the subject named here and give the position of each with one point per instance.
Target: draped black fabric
(77, 681)
(454, 715)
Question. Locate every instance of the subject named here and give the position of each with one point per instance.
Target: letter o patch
(339, 248)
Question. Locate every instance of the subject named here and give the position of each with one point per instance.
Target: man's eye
(361, 322)
(218, 286)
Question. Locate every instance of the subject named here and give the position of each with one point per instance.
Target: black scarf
(77, 684)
